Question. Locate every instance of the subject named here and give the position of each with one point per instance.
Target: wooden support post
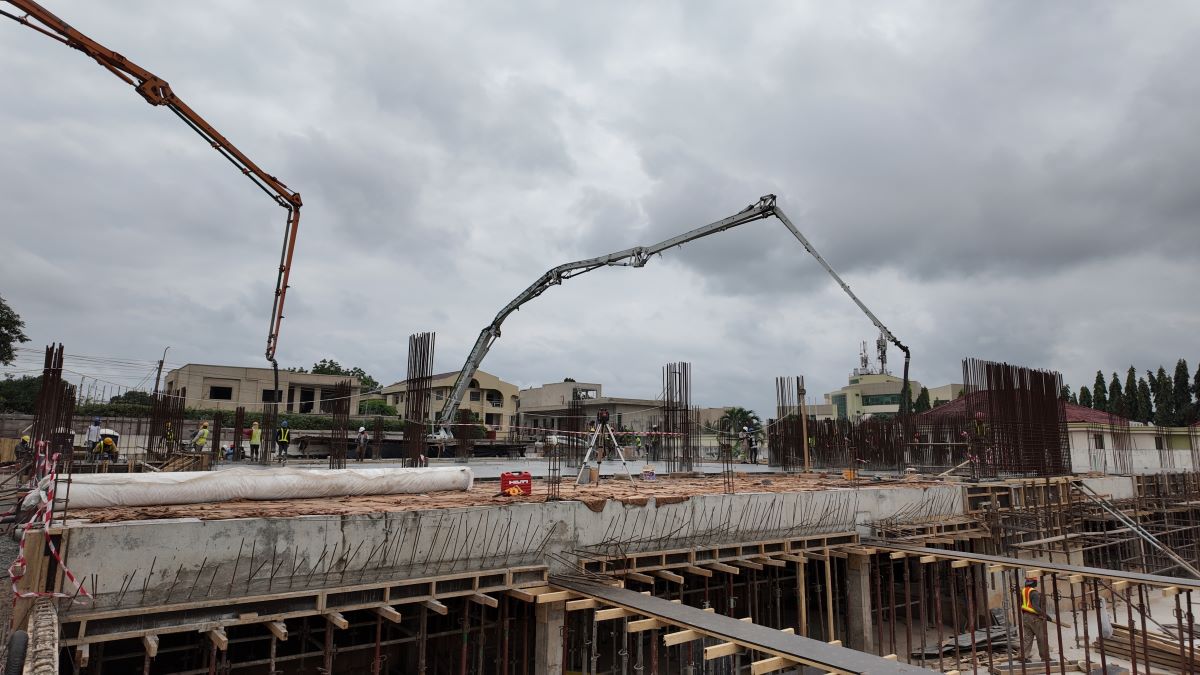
(586, 603)
(791, 557)
(554, 596)
(388, 613)
(669, 576)
(82, 653)
(337, 620)
(960, 563)
(722, 567)
(770, 665)
(150, 643)
(527, 594)
(279, 629)
(219, 639)
(748, 564)
(698, 571)
(926, 559)
(681, 636)
(487, 600)
(638, 576)
(765, 560)
(613, 613)
(720, 650)
(643, 624)
(435, 606)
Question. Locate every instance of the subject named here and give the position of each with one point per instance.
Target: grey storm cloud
(1004, 180)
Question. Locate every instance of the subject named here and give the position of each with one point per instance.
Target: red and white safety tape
(43, 516)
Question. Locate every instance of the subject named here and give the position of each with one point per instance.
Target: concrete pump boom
(156, 91)
(637, 257)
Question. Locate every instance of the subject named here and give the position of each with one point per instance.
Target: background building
(489, 397)
(227, 387)
(546, 407)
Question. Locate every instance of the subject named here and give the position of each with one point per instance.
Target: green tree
(568, 379)
(1164, 413)
(1116, 399)
(1145, 408)
(376, 407)
(922, 403)
(1181, 395)
(17, 394)
(134, 398)
(735, 419)
(1065, 392)
(1131, 393)
(1085, 396)
(331, 367)
(1074, 399)
(1099, 393)
(1196, 391)
(12, 331)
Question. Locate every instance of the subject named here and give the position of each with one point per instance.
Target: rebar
(679, 428)
(417, 387)
(339, 407)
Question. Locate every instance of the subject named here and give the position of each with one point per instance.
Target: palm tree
(736, 418)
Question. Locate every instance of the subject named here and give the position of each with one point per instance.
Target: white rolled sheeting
(196, 487)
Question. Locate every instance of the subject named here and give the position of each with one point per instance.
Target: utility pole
(158, 375)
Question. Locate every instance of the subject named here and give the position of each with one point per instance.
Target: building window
(220, 393)
(1098, 441)
(475, 396)
(439, 395)
(881, 399)
(268, 398)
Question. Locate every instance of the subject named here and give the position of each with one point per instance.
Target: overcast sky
(1010, 180)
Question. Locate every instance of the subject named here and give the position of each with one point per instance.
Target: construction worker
(255, 440)
(281, 440)
(752, 445)
(105, 450)
(360, 445)
(92, 437)
(169, 437)
(24, 450)
(201, 438)
(1033, 621)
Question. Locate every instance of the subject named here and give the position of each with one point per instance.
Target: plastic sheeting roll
(94, 490)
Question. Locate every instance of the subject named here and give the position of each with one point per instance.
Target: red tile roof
(959, 408)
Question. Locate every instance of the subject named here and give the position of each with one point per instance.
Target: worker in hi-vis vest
(281, 439)
(1033, 621)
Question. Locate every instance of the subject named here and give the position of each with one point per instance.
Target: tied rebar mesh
(417, 387)
(166, 425)
(1019, 419)
(339, 407)
(679, 426)
(270, 425)
(239, 430)
(572, 442)
(51, 432)
(786, 433)
(377, 438)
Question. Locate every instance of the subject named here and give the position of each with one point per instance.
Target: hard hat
(745, 428)
(1031, 581)
(283, 423)
(361, 429)
(108, 440)
(95, 420)
(25, 438)
(204, 425)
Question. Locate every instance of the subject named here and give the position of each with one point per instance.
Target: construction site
(1006, 531)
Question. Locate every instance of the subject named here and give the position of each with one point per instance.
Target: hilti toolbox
(518, 479)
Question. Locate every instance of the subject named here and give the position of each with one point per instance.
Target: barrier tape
(43, 516)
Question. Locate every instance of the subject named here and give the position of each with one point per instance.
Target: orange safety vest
(1027, 600)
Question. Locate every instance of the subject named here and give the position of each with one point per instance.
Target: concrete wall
(172, 558)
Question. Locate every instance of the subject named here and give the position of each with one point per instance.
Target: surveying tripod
(605, 432)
